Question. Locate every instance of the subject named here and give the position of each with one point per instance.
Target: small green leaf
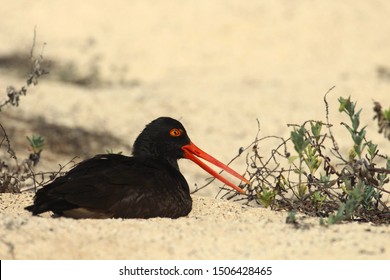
(291, 159)
(299, 139)
(36, 143)
(356, 120)
(316, 129)
(291, 218)
(372, 149)
(351, 131)
(266, 196)
(386, 114)
(347, 106)
(342, 102)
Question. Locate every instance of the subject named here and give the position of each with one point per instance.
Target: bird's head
(166, 138)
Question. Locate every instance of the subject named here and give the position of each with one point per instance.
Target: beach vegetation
(309, 174)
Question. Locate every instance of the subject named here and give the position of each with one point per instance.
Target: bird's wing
(107, 186)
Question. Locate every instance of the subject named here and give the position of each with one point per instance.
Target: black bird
(147, 185)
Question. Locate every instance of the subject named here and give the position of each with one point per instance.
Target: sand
(215, 229)
(217, 66)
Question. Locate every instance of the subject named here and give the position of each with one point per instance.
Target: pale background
(215, 65)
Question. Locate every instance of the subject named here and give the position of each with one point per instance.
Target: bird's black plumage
(149, 184)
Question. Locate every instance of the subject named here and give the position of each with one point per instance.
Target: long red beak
(192, 152)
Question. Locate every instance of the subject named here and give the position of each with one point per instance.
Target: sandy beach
(218, 67)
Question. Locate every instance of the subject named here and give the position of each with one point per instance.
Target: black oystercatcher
(147, 185)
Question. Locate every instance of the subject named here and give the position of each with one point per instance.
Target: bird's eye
(175, 132)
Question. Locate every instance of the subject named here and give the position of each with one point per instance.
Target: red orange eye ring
(175, 132)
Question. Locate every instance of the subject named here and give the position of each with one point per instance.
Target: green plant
(386, 114)
(306, 144)
(36, 143)
(16, 175)
(317, 179)
(14, 178)
(358, 135)
(292, 218)
(266, 196)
